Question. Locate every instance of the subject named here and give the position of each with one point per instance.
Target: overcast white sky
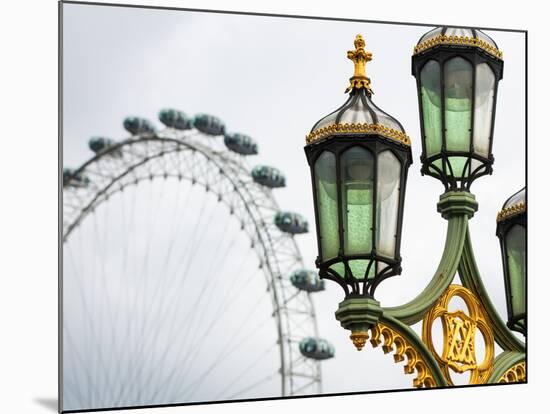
(273, 78)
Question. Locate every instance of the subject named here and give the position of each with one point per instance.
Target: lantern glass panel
(327, 206)
(485, 87)
(515, 251)
(358, 113)
(457, 164)
(387, 203)
(359, 267)
(357, 175)
(430, 85)
(457, 89)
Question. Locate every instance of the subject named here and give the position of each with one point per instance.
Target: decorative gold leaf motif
(455, 40)
(394, 341)
(353, 128)
(511, 211)
(459, 333)
(517, 373)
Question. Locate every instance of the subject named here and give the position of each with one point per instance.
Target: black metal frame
(375, 144)
(474, 55)
(503, 227)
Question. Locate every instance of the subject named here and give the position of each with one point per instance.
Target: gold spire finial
(360, 57)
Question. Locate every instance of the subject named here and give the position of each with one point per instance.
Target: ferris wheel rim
(223, 167)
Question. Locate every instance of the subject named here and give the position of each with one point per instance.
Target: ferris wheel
(182, 281)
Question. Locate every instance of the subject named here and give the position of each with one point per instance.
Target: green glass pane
(327, 207)
(458, 103)
(339, 268)
(357, 165)
(515, 249)
(387, 203)
(358, 268)
(438, 163)
(457, 164)
(485, 89)
(430, 89)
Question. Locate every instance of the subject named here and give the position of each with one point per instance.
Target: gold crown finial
(360, 57)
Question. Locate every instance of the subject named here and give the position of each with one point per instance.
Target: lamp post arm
(504, 362)
(469, 275)
(409, 344)
(414, 311)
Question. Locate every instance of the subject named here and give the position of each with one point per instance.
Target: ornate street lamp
(359, 157)
(457, 72)
(511, 231)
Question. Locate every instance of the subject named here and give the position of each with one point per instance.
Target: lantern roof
(515, 204)
(457, 36)
(359, 114)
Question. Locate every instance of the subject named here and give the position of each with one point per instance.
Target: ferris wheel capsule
(268, 176)
(138, 126)
(241, 144)
(292, 223)
(103, 144)
(173, 118)
(307, 280)
(316, 348)
(73, 179)
(209, 124)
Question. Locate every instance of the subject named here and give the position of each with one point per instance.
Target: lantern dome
(515, 204)
(457, 36)
(359, 114)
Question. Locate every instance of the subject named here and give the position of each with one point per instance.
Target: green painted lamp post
(511, 231)
(359, 157)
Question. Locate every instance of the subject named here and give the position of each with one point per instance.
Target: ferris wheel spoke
(229, 350)
(131, 326)
(194, 308)
(254, 385)
(226, 346)
(141, 328)
(90, 358)
(235, 380)
(171, 298)
(191, 326)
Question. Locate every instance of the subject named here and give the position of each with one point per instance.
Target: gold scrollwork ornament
(459, 333)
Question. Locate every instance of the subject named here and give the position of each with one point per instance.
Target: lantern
(512, 231)
(359, 157)
(457, 73)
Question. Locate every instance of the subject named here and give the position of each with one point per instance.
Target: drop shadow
(49, 403)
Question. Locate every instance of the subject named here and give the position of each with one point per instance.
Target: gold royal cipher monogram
(459, 334)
